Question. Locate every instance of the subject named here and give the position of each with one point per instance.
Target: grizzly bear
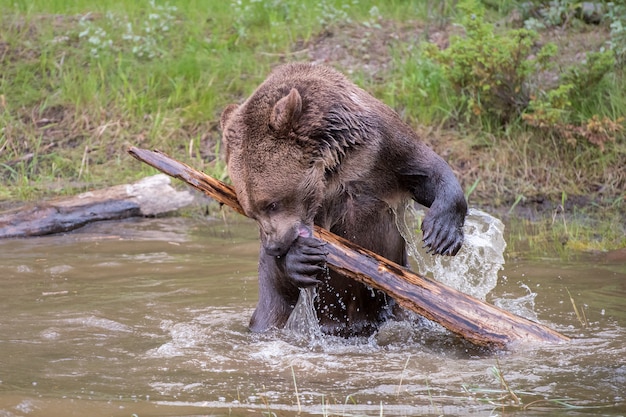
(310, 147)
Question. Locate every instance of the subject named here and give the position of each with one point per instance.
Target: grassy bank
(80, 82)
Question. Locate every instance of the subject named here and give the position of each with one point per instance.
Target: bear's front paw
(443, 233)
(305, 262)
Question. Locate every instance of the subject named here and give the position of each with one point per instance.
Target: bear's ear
(228, 111)
(286, 111)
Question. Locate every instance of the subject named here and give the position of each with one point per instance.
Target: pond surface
(148, 317)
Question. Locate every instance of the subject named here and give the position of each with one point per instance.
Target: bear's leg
(432, 183)
(280, 278)
(277, 296)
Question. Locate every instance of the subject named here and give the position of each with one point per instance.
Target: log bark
(147, 197)
(472, 319)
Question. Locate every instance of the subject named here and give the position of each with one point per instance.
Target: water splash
(474, 269)
(303, 320)
(522, 306)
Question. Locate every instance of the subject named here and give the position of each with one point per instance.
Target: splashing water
(522, 306)
(474, 269)
(303, 319)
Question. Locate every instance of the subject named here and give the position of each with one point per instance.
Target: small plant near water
(491, 72)
(495, 78)
(553, 110)
(580, 313)
(505, 398)
(568, 231)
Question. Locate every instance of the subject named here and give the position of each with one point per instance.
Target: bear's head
(276, 176)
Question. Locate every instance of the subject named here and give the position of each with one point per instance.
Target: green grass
(566, 233)
(81, 81)
(85, 78)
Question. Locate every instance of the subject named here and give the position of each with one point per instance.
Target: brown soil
(367, 48)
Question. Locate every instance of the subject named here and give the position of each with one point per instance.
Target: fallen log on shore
(470, 318)
(148, 197)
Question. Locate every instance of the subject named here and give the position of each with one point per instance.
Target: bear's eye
(273, 206)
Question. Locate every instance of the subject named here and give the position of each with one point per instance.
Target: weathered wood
(147, 197)
(466, 316)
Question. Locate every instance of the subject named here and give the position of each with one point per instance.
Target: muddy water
(148, 317)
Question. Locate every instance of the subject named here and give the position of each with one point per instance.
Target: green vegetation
(526, 100)
(490, 73)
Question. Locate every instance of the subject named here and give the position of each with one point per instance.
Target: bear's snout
(280, 245)
(277, 248)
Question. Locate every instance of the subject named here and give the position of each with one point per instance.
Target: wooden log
(472, 319)
(147, 197)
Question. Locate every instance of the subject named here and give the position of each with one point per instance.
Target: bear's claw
(440, 235)
(305, 262)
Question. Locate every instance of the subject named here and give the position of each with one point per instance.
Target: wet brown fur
(309, 146)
